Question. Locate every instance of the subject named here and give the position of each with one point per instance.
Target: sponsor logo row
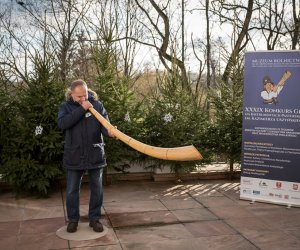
(273, 184)
(252, 192)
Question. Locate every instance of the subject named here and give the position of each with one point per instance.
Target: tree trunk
(238, 44)
(231, 172)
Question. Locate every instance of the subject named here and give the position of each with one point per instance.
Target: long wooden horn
(187, 153)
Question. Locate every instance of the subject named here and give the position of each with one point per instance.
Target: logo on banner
(263, 184)
(295, 187)
(247, 181)
(278, 184)
(295, 198)
(256, 192)
(271, 90)
(246, 191)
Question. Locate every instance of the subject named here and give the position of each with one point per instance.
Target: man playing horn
(83, 151)
(271, 91)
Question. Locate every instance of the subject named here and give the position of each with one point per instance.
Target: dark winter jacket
(84, 146)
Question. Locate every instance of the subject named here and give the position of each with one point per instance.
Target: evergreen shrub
(33, 144)
(115, 92)
(226, 129)
(175, 118)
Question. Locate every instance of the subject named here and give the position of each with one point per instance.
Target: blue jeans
(74, 178)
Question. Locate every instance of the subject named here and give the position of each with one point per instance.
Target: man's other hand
(86, 105)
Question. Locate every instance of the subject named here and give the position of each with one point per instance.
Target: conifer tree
(32, 157)
(226, 131)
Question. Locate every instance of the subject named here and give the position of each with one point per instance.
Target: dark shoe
(96, 225)
(72, 227)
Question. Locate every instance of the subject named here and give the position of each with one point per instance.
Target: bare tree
(233, 13)
(201, 61)
(182, 30)
(131, 30)
(64, 22)
(292, 24)
(160, 22)
(270, 21)
(208, 74)
(16, 49)
(67, 25)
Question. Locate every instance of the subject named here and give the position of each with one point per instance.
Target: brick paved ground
(155, 215)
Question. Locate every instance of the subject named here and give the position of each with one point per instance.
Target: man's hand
(86, 105)
(111, 133)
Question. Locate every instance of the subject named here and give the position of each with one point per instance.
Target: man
(270, 92)
(83, 151)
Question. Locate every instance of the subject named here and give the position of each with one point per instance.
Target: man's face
(269, 87)
(80, 94)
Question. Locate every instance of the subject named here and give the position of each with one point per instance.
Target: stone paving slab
(231, 212)
(43, 212)
(209, 228)
(39, 226)
(11, 213)
(294, 231)
(180, 203)
(9, 200)
(216, 201)
(225, 242)
(275, 241)
(153, 233)
(194, 214)
(282, 221)
(142, 218)
(9, 242)
(41, 241)
(9, 229)
(203, 243)
(114, 196)
(137, 206)
(203, 190)
(54, 199)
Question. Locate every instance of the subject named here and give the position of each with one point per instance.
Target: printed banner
(270, 169)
